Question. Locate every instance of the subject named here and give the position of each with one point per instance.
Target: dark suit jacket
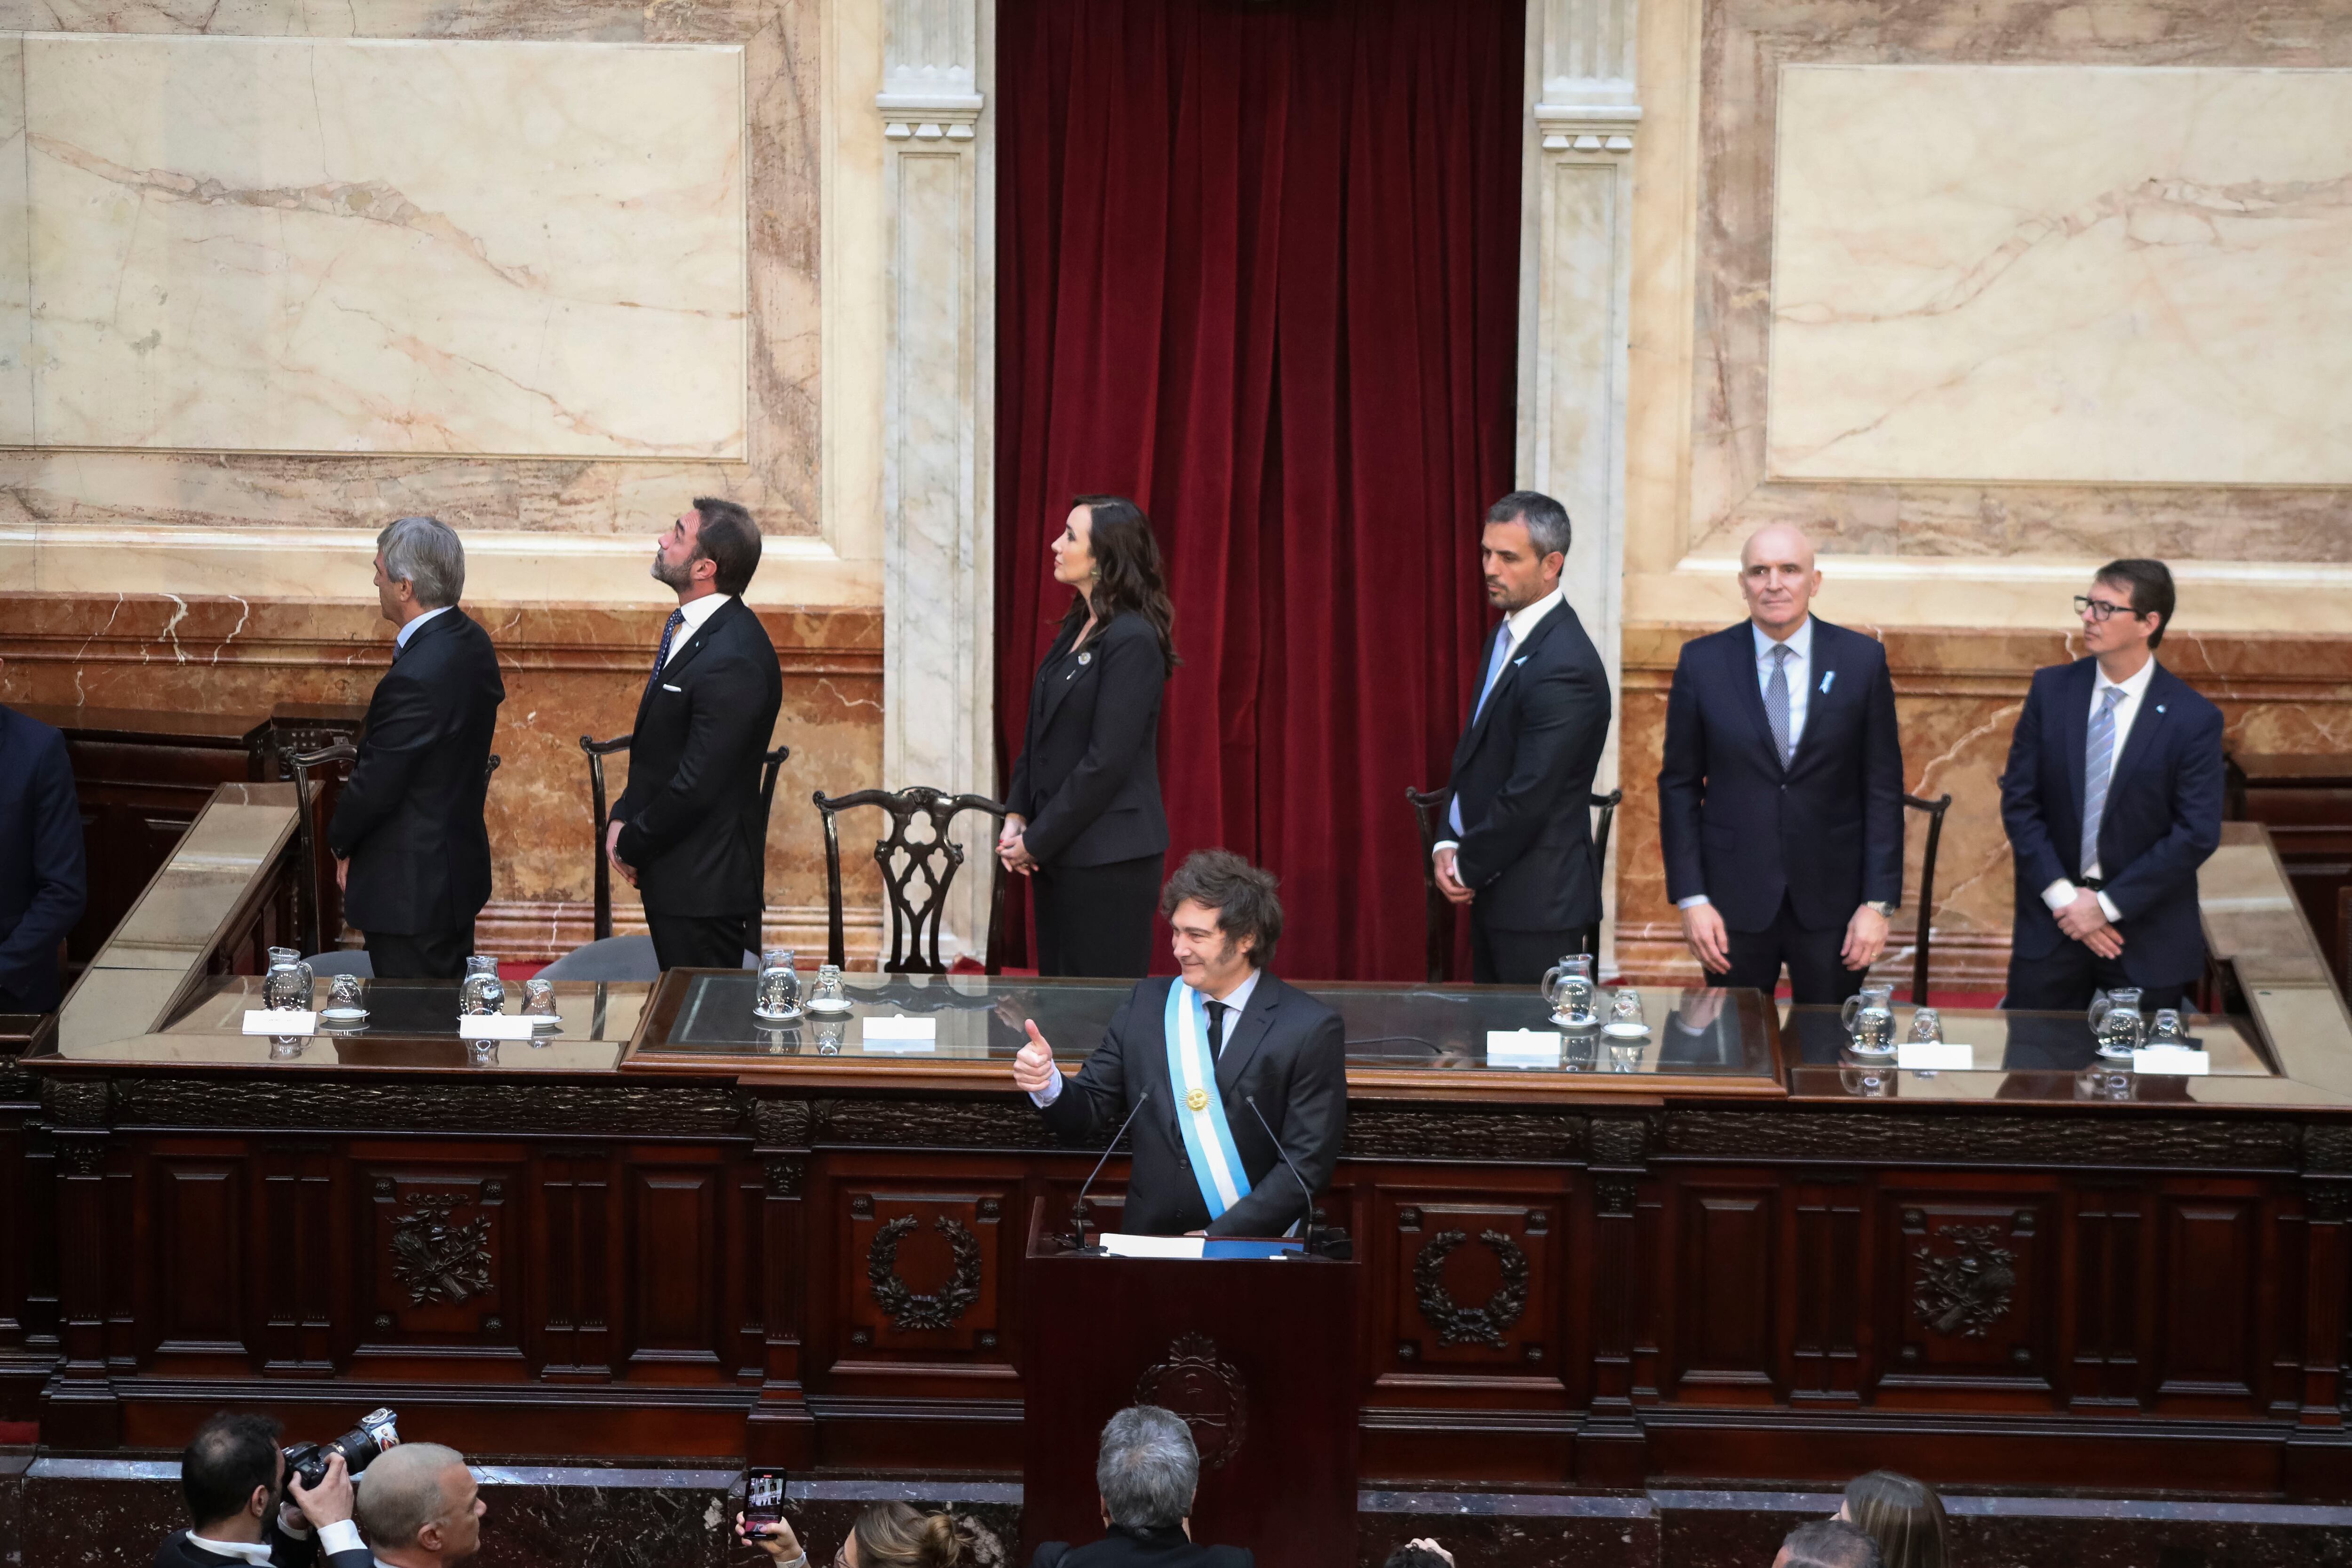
(1088, 779)
(1826, 830)
(1523, 771)
(285, 1551)
(692, 824)
(1285, 1050)
(410, 820)
(44, 881)
(2163, 816)
(1123, 1548)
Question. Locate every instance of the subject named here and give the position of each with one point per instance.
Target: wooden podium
(1258, 1354)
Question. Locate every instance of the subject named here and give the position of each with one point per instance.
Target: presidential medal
(1197, 1100)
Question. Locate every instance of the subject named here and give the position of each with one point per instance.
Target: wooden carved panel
(1831, 1287)
(922, 1273)
(1474, 1285)
(199, 1296)
(2105, 1256)
(1965, 1306)
(572, 1258)
(436, 1257)
(295, 1263)
(2210, 1276)
(1725, 1291)
(677, 1269)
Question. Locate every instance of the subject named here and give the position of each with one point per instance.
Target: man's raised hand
(1033, 1069)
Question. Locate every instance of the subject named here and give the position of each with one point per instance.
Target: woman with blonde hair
(1903, 1516)
(888, 1535)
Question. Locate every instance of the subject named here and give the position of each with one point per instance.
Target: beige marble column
(1575, 263)
(938, 708)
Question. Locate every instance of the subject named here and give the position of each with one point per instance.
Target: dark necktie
(1217, 1011)
(1776, 704)
(669, 630)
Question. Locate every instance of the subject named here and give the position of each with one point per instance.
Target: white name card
(279, 1021)
(901, 1034)
(2171, 1061)
(1935, 1056)
(493, 1026)
(1522, 1049)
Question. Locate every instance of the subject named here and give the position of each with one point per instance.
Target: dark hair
(1127, 573)
(1829, 1543)
(1242, 895)
(1546, 520)
(730, 540)
(900, 1535)
(1905, 1517)
(231, 1454)
(2150, 582)
(1412, 1556)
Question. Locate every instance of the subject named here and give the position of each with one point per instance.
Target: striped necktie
(1775, 703)
(2098, 767)
(669, 630)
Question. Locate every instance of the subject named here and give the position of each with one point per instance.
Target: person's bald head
(1777, 578)
(418, 1504)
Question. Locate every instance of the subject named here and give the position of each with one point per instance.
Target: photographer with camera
(247, 1510)
(421, 1508)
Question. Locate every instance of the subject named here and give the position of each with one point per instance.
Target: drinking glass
(780, 987)
(483, 992)
(287, 986)
(1869, 1018)
(1625, 1055)
(1567, 986)
(346, 1002)
(2169, 1031)
(539, 1005)
(1626, 1009)
(832, 1034)
(831, 997)
(1926, 1027)
(2115, 1018)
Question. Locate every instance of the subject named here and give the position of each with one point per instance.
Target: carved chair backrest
(1934, 810)
(917, 872)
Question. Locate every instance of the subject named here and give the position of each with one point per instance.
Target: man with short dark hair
(411, 850)
(1146, 1472)
(1219, 1047)
(690, 831)
(247, 1510)
(2113, 799)
(1518, 847)
(1827, 1544)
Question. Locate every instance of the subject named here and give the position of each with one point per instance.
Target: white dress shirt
(1238, 999)
(400, 640)
(1800, 685)
(2134, 687)
(695, 611)
(341, 1535)
(1519, 622)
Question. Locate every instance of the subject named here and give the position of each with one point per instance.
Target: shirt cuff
(293, 1522)
(1444, 844)
(341, 1535)
(1694, 901)
(2058, 894)
(2107, 908)
(1043, 1098)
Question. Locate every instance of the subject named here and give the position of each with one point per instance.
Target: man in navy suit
(1519, 850)
(2113, 799)
(1781, 799)
(44, 881)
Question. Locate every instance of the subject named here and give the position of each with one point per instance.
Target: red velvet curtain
(1258, 268)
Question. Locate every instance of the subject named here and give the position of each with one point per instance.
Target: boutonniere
(1825, 683)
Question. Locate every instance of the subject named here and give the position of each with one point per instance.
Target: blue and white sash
(1200, 1110)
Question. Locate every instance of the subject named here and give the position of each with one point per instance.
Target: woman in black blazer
(1086, 825)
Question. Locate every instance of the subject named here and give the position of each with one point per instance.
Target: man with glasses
(2112, 798)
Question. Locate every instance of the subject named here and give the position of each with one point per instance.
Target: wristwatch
(1883, 907)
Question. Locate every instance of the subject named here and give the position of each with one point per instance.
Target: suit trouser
(703, 941)
(427, 956)
(2064, 980)
(1096, 920)
(1817, 972)
(1520, 957)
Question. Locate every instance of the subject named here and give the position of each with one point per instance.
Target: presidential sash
(1200, 1110)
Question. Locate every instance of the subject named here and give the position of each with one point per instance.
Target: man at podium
(1228, 1060)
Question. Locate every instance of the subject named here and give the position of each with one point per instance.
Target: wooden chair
(308, 924)
(908, 865)
(771, 764)
(1934, 810)
(1440, 909)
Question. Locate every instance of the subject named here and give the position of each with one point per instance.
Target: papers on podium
(1119, 1246)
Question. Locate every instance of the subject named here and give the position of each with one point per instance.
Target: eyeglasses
(2100, 609)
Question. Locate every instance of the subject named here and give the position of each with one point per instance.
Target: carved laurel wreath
(1967, 1293)
(436, 1259)
(1455, 1323)
(906, 1310)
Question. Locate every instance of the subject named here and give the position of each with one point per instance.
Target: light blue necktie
(1495, 667)
(2098, 767)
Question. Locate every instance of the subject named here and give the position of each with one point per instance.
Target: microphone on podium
(1335, 1243)
(1078, 1209)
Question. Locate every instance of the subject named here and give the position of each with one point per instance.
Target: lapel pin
(1085, 658)
(2159, 707)
(1825, 683)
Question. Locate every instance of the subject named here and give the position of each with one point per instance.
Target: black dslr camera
(359, 1447)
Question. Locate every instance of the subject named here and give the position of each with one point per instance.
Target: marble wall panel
(777, 476)
(569, 670)
(384, 246)
(1958, 696)
(1744, 50)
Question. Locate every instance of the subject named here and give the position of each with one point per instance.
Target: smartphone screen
(763, 1494)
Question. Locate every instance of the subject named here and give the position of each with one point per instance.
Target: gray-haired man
(411, 852)
(1146, 1472)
